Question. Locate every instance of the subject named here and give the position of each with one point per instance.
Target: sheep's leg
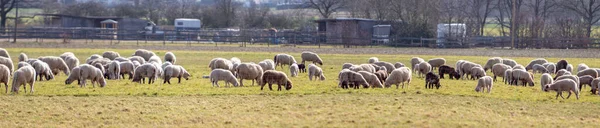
(252, 82)
(271, 87)
(25, 89)
(179, 80)
(6, 87)
(561, 95)
(241, 82)
(569, 95)
(31, 88)
(278, 87)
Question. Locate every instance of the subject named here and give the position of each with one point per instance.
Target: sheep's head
(49, 76)
(288, 85)
(547, 87)
(322, 77)
(69, 81)
(320, 63)
(186, 75)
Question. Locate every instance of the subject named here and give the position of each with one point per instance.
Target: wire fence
(245, 37)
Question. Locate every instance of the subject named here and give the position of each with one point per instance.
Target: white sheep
(538, 68)
(563, 85)
(136, 64)
(508, 76)
(499, 69)
(23, 76)
(220, 63)
(387, 65)
(4, 76)
(545, 80)
(398, 65)
(7, 62)
(458, 64)
(276, 77)
(315, 71)
(65, 54)
(595, 84)
(581, 67)
(122, 59)
(373, 60)
(423, 69)
(139, 59)
(571, 77)
(399, 76)
(88, 60)
(21, 64)
(518, 66)
(436, 62)
(523, 76)
(561, 73)
(75, 72)
(267, 64)
(590, 71)
(249, 71)
(42, 70)
(311, 56)
(294, 70)
(170, 57)
(111, 55)
(347, 65)
(23, 57)
(569, 68)
(4, 53)
(175, 71)
(56, 64)
(491, 62)
(102, 69)
(551, 67)
(283, 59)
(414, 61)
(128, 68)
(372, 79)
(102, 61)
(483, 83)
(466, 68)
(88, 72)
(145, 71)
(351, 79)
(144, 54)
(155, 59)
(114, 70)
(71, 61)
(217, 75)
(535, 61)
(164, 65)
(477, 72)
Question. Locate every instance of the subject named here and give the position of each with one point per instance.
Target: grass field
(309, 104)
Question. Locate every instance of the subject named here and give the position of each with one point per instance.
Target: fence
(285, 37)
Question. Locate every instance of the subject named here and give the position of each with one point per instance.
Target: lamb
(356, 79)
(387, 65)
(518, 66)
(585, 80)
(139, 59)
(508, 76)
(170, 57)
(347, 65)
(42, 70)
(467, 68)
(146, 70)
(483, 83)
(569, 68)
(509, 62)
(371, 79)
(373, 60)
(56, 64)
(560, 73)
(249, 71)
(71, 62)
(175, 71)
(311, 56)
(582, 67)
(23, 76)
(535, 61)
(4, 53)
(302, 68)
(275, 77)
(127, 67)
(21, 64)
(294, 70)
(589, 71)
(217, 75)
(268, 64)
(7, 62)
(563, 85)
(499, 69)
(316, 71)
(423, 69)
(284, 59)
(561, 64)
(381, 75)
(23, 57)
(523, 76)
(431, 80)
(75, 72)
(446, 69)
(436, 62)
(539, 68)
(545, 80)
(220, 63)
(491, 62)
(414, 61)
(398, 65)
(114, 70)
(111, 55)
(88, 72)
(551, 67)
(4, 76)
(89, 59)
(144, 54)
(398, 76)
(477, 72)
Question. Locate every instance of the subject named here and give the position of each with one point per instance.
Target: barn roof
(88, 17)
(344, 19)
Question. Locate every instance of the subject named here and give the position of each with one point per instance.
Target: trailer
(451, 35)
(183, 24)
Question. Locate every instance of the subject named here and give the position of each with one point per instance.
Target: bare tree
(589, 10)
(327, 7)
(180, 9)
(226, 10)
(89, 8)
(154, 9)
(479, 12)
(5, 7)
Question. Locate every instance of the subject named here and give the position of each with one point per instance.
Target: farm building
(68, 21)
(355, 31)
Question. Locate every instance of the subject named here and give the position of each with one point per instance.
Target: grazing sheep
(294, 70)
(121, 59)
(23, 76)
(248, 71)
(114, 70)
(436, 62)
(563, 85)
(75, 72)
(398, 76)
(352, 79)
(144, 54)
(65, 54)
(381, 75)
(4, 53)
(101, 67)
(220, 63)
(423, 69)
(571, 77)
(569, 68)
(595, 84)
(128, 68)
(414, 61)
(477, 72)
(135, 64)
(347, 66)
(509, 62)
(398, 65)
(276, 77)
(561, 73)
(518, 66)
(545, 80)
(446, 69)
(170, 57)
(102, 61)
(499, 69)
(467, 68)
(89, 59)
(373, 60)
(387, 65)
(164, 65)
(311, 56)
(561, 64)
(88, 72)
(458, 64)
(268, 64)
(146, 70)
(585, 80)
(582, 67)
(158, 71)
(539, 68)
(523, 76)
(363, 67)
(4, 76)
(535, 61)
(431, 80)
(175, 71)
(551, 67)
(491, 62)
(483, 83)
(56, 64)
(71, 61)
(371, 79)
(217, 75)
(139, 59)
(111, 55)
(7, 62)
(42, 70)
(283, 59)
(316, 71)
(589, 71)
(508, 76)
(23, 57)
(155, 59)
(302, 68)
(21, 64)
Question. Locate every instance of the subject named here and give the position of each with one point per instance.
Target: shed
(348, 31)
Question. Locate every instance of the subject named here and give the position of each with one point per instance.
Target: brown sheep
(275, 77)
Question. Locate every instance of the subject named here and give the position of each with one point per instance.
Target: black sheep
(431, 80)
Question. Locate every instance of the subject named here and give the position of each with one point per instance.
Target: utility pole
(16, 21)
(512, 26)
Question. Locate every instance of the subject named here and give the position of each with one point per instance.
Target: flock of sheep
(97, 68)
